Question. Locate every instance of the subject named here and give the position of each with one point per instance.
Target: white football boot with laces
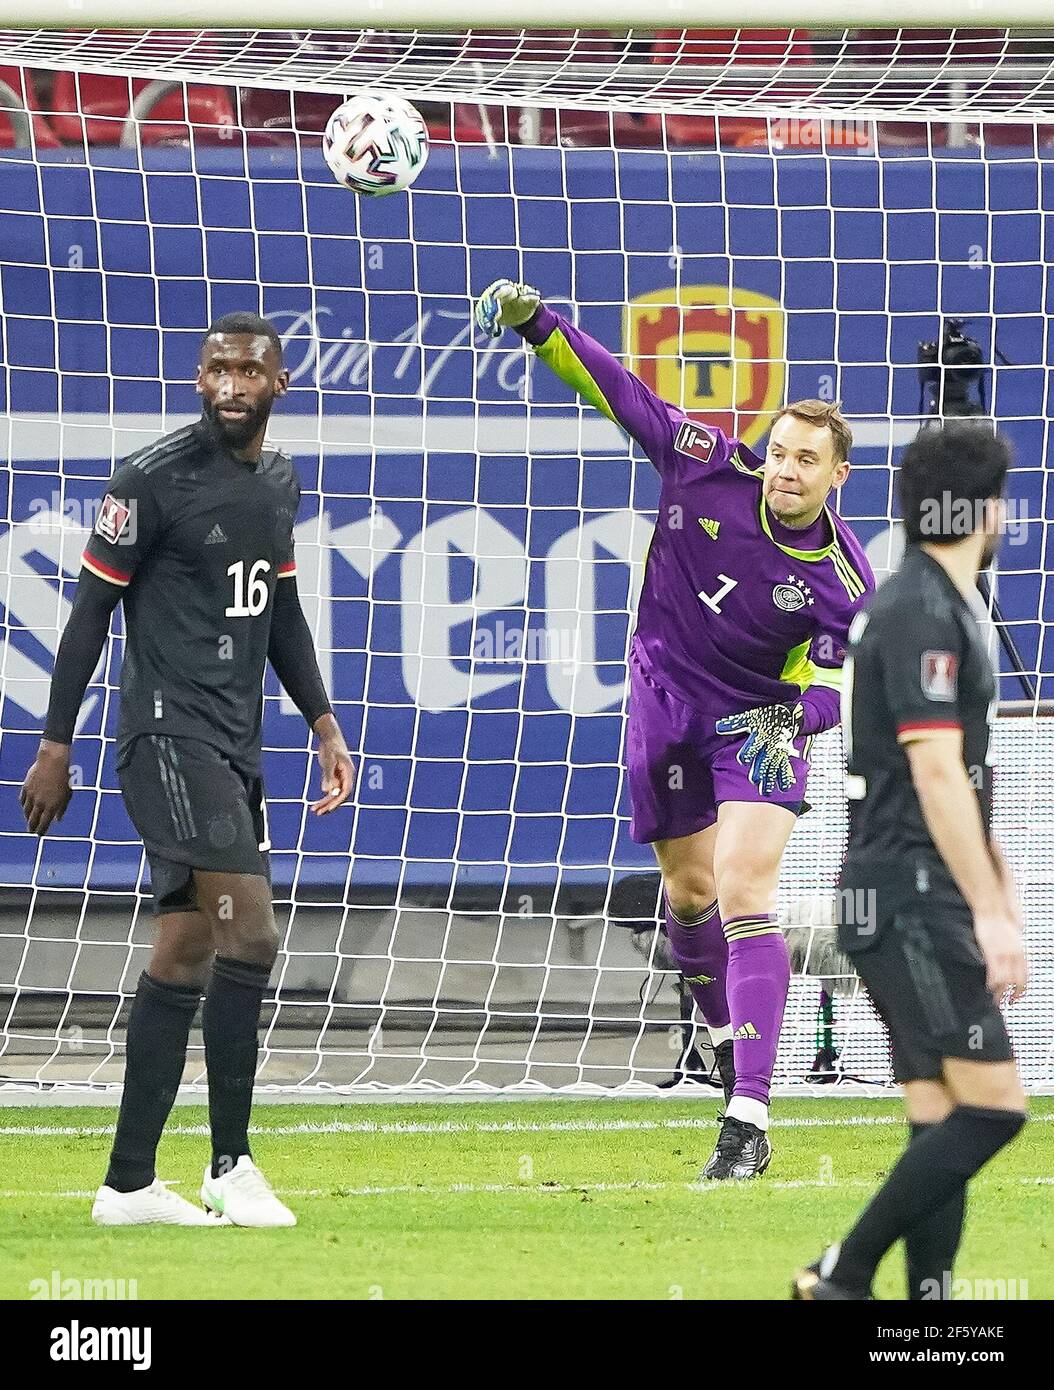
(244, 1197)
(147, 1206)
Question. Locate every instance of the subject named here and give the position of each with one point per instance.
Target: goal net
(747, 217)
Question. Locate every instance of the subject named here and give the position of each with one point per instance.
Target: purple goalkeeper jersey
(736, 610)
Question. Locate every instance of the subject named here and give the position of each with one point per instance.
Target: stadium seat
(1026, 136)
(919, 135)
(20, 80)
(996, 134)
(95, 107)
(579, 128)
(927, 45)
(272, 117)
(634, 131)
(679, 51)
(572, 127)
(275, 116)
(469, 125)
(888, 48)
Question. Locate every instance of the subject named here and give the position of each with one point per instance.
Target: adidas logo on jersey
(217, 536)
(710, 526)
(746, 1030)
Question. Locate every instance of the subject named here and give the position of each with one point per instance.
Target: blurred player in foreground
(930, 915)
(750, 586)
(195, 534)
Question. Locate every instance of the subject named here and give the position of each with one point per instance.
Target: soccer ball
(375, 144)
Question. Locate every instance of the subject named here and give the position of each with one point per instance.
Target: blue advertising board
(470, 539)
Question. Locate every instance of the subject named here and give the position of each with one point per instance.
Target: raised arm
(583, 363)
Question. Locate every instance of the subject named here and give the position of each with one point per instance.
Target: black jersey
(916, 660)
(198, 541)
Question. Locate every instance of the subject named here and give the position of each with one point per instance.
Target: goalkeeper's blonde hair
(827, 413)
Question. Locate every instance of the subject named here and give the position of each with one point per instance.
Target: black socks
(933, 1168)
(156, 1052)
(932, 1243)
(230, 1023)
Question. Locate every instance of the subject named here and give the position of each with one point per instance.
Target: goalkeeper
(750, 586)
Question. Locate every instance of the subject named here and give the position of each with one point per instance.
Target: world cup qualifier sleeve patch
(695, 441)
(940, 676)
(113, 519)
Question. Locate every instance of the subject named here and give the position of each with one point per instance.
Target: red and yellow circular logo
(717, 353)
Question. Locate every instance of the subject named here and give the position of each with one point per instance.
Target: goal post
(537, 15)
(471, 541)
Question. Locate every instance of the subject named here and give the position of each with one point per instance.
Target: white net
(997, 74)
(471, 539)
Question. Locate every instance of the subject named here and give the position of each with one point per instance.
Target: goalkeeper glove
(770, 730)
(505, 305)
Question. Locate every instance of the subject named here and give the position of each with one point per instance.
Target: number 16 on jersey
(250, 592)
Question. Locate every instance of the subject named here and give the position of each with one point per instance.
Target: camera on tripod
(951, 373)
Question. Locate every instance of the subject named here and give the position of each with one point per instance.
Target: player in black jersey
(930, 915)
(195, 534)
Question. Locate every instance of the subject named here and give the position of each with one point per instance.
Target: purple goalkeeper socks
(701, 952)
(758, 980)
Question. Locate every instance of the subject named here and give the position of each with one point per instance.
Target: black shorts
(918, 958)
(194, 810)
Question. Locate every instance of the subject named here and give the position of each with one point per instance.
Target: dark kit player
(931, 917)
(195, 534)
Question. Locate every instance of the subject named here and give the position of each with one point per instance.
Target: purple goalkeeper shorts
(681, 770)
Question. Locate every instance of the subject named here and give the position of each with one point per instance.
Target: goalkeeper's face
(240, 376)
(800, 470)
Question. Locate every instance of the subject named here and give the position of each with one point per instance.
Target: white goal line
(24, 1095)
(525, 1189)
(444, 1127)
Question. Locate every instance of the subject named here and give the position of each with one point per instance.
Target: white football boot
(147, 1206)
(244, 1197)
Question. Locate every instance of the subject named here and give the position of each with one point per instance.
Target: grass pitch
(508, 1200)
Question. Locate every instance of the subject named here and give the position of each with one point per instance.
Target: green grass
(505, 1200)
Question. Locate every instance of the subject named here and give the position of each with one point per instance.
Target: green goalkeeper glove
(770, 730)
(505, 305)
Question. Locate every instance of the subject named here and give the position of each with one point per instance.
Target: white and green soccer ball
(375, 144)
